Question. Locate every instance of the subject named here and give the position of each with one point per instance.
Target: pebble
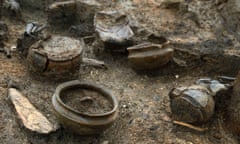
(105, 142)
(124, 106)
(176, 76)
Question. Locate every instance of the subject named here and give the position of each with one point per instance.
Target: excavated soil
(144, 113)
(86, 101)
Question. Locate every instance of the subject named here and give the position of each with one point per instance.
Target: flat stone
(31, 118)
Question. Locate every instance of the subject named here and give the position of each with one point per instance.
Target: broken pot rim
(146, 45)
(114, 14)
(107, 33)
(77, 83)
(113, 29)
(109, 28)
(59, 3)
(160, 50)
(156, 54)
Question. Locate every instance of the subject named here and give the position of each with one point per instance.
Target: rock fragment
(31, 118)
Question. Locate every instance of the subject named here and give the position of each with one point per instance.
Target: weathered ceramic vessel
(83, 121)
(149, 56)
(192, 104)
(113, 29)
(55, 56)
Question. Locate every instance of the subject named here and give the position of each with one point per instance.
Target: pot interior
(86, 100)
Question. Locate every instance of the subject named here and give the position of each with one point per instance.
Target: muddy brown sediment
(143, 96)
(86, 101)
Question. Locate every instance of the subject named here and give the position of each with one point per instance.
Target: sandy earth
(143, 96)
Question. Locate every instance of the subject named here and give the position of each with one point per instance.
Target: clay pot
(149, 56)
(56, 56)
(192, 104)
(113, 29)
(82, 119)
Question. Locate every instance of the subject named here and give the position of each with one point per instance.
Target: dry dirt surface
(144, 112)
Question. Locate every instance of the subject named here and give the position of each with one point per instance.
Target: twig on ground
(190, 126)
(94, 62)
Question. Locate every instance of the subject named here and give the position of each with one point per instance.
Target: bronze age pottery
(149, 56)
(113, 29)
(55, 56)
(192, 104)
(84, 108)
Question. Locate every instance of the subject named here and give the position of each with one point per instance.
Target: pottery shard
(113, 27)
(31, 118)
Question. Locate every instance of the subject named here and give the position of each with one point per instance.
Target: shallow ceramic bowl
(82, 122)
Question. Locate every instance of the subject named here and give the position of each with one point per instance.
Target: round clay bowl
(84, 108)
(56, 56)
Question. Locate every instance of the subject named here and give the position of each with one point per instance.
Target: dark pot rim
(90, 85)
